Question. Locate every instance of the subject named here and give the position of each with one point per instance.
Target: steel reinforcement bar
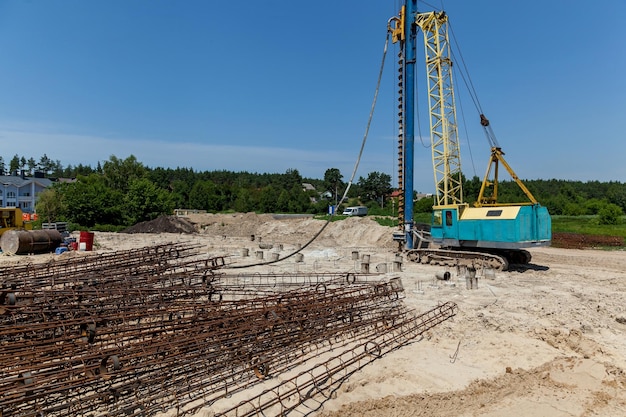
(178, 334)
(307, 390)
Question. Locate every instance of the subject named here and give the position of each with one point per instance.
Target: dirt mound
(579, 241)
(231, 224)
(514, 392)
(353, 231)
(163, 224)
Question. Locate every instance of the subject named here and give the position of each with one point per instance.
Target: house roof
(66, 180)
(18, 181)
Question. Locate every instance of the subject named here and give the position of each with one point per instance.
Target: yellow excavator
(13, 218)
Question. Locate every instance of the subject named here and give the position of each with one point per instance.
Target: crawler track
(453, 258)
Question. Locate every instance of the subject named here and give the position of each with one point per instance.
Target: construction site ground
(544, 341)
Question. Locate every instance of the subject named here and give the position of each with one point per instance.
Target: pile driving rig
(490, 233)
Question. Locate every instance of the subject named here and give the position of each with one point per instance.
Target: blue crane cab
(502, 227)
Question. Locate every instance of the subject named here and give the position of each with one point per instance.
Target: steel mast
(404, 31)
(446, 153)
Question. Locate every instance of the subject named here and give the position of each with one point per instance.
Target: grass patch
(587, 225)
(386, 221)
(334, 218)
(423, 218)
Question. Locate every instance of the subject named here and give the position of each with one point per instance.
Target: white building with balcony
(21, 192)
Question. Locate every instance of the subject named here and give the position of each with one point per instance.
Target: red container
(87, 238)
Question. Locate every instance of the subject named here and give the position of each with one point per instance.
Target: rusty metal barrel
(19, 242)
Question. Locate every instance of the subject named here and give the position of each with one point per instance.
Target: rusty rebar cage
(136, 332)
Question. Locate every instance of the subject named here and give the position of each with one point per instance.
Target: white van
(355, 211)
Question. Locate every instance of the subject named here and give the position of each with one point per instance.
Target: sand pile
(163, 224)
(355, 231)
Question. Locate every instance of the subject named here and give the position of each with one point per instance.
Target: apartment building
(21, 191)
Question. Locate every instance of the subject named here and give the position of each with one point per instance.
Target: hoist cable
(419, 123)
(468, 80)
(469, 147)
(356, 165)
(369, 121)
(491, 137)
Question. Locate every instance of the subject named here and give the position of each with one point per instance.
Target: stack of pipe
(19, 242)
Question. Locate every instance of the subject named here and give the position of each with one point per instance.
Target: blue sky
(265, 86)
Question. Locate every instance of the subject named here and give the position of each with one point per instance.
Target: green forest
(122, 192)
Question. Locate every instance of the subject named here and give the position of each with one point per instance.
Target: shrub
(609, 214)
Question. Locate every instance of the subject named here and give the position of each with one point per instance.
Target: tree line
(46, 166)
(122, 192)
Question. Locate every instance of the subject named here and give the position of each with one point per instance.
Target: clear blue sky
(264, 86)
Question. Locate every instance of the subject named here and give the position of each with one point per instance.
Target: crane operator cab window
(437, 218)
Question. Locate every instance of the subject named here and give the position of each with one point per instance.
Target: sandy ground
(547, 341)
